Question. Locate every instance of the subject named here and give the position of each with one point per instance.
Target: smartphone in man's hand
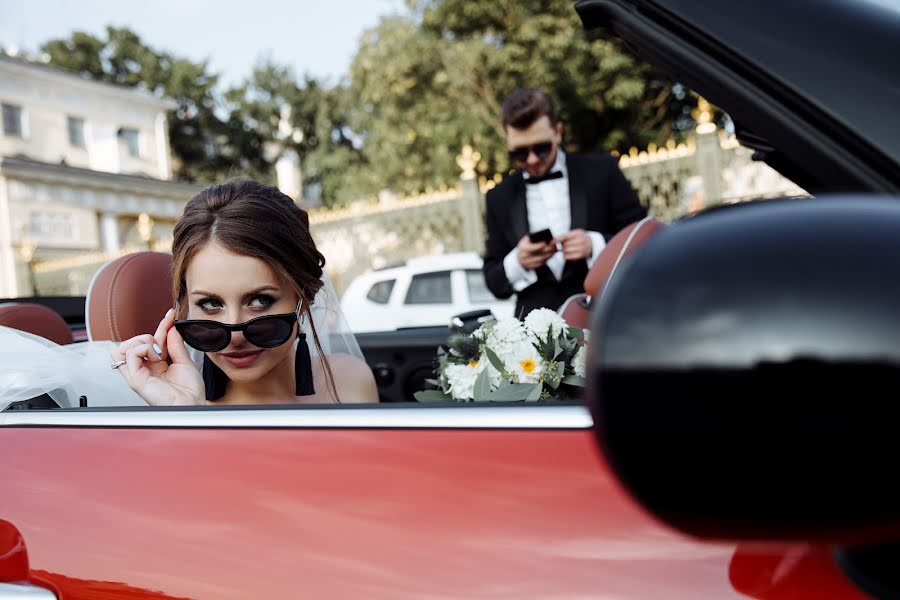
(540, 237)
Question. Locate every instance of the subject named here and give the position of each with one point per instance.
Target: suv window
(429, 288)
(381, 291)
(478, 291)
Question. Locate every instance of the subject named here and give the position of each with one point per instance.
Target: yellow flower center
(473, 363)
(527, 365)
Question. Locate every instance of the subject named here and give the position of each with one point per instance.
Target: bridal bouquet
(541, 358)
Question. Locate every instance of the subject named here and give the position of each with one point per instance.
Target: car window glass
(478, 291)
(381, 291)
(429, 288)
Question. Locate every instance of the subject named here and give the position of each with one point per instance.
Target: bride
(255, 321)
(246, 271)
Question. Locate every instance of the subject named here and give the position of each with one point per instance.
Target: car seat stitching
(621, 255)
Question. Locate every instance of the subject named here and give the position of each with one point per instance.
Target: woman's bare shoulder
(353, 378)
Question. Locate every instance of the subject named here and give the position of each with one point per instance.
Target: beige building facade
(85, 175)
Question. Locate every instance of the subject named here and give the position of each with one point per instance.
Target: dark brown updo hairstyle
(252, 219)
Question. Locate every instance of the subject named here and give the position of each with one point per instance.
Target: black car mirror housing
(745, 369)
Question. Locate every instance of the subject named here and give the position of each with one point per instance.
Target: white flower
(494, 375)
(507, 330)
(580, 360)
(506, 336)
(524, 363)
(543, 321)
(462, 380)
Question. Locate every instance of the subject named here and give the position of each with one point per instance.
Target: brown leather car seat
(576, 309)
(129, 296)
(37, 319)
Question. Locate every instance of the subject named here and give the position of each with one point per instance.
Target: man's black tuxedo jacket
(600, 199)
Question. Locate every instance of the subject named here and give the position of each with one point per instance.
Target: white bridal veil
(31, 366)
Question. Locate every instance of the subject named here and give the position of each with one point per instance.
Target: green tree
(81, 53)
(427, 83)
(413, 114)
(318, 117)
(420, 87)
(215, 135)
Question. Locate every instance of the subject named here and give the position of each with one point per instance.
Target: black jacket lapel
(577, 201)
(518, 217)
(577, 193)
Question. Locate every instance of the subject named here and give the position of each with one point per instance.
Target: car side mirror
(468, 322)
(745, 369)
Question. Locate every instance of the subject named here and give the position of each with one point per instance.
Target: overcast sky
(318, 37)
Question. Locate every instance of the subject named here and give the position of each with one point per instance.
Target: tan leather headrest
(36, 319)
(129, 296)
(576, 311)
(617, 248)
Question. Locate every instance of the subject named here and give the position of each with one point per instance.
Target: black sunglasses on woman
(267, 331)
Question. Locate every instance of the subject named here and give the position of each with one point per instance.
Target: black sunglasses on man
(541, 150)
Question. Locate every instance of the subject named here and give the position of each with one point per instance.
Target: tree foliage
(431, 81)
(421, 86)
(122, 58)
(317, 116)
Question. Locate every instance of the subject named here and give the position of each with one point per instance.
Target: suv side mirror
(468, 322)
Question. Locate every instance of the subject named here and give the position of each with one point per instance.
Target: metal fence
(672, 181)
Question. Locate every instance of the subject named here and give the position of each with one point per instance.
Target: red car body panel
(359, 513)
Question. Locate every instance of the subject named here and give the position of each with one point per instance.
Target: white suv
(425, 292)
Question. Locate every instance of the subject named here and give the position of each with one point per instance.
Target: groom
(582, 199)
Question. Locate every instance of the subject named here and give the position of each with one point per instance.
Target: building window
(130, 138)
(12, 120)
(76, 132)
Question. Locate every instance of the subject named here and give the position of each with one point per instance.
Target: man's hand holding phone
(535, 248)
(576, 244)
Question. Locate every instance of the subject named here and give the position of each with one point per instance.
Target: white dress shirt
(548, 207)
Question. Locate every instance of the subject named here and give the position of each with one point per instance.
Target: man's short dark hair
(525, 106)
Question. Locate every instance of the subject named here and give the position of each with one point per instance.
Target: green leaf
(535, 394)
(433, 382)
(494, 359)
(576, 332)
(574, 380)
(553, 374)
(431, 396)
(513, 392)
(482, 388)
(548, 347)
(557, 349)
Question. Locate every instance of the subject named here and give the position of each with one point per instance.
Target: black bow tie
(547, 177)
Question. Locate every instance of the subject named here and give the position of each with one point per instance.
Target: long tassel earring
(303, 377)
(214, 380)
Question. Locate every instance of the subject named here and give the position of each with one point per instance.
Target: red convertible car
(738, 435)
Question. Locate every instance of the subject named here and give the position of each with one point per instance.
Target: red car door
(369, 502)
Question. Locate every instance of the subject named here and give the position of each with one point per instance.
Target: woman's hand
(148, 373)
